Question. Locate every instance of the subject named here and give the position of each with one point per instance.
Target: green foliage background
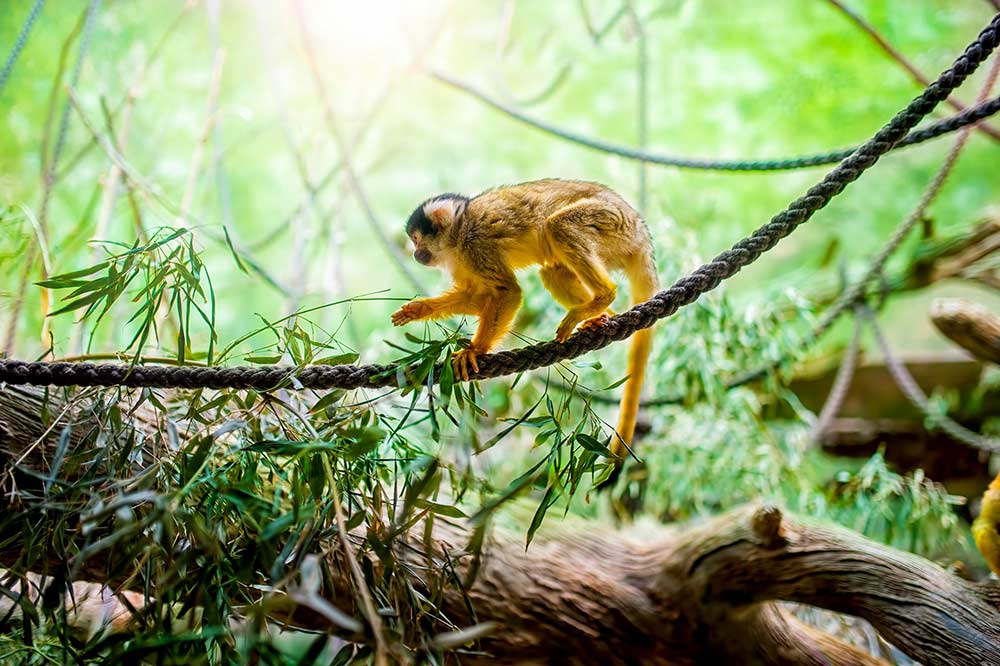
(761, 80)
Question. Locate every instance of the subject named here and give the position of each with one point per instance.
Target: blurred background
(216, 110)
(287, 142)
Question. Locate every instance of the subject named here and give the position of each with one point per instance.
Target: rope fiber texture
(22, 39)
(911, 389)
(683, 292)
(969, 115)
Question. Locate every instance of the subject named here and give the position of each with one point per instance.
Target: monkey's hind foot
(600, 321)
(569, 324)
(462, 360)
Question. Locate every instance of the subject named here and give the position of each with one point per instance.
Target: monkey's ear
(441, 213)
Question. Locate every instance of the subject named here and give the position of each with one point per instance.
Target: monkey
(986, 526)
(576, 231)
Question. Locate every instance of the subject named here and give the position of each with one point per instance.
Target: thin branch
(841, 385)
(642, 98)
(597, 34)
(214, 8)
(543, 93)
(918, 76)
(197, 157)
(503, 32)
(48, 181)
(911, 389)
(148, 187)
(134, 85)
(318, 219)
(392, 250)
(328, 177)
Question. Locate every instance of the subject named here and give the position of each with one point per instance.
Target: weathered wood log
(650, 594)
(874, 394)
(970, 326)
(907, 445)
(704, 595)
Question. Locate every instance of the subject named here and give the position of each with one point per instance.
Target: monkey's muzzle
(423, 256)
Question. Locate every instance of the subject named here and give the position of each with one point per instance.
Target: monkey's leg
(452, 302)
(569, 292)
(496, 314)
(593, 312)
(572, 237)
(564, 285)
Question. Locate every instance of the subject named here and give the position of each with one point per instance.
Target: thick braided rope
(969, 115)
(621, 326)
(22, 39)
(851, 295)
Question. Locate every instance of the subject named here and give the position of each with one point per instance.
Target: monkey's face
(426, 248)
(429, 225)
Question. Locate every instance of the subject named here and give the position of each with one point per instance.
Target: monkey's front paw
(412, 311)
(462, 360)
(600, 321)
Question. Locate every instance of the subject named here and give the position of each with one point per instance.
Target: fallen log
(699, 594)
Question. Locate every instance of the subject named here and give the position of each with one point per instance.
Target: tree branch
(915, 74)
(970, 326)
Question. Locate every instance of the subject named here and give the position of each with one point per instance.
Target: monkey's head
(429, 224)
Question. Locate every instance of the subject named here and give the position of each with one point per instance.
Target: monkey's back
(525, 219)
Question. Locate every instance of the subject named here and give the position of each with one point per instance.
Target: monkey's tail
(643, 283)
(986, 527)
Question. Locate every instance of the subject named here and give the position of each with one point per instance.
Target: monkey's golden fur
(986, 527)
(576, 231)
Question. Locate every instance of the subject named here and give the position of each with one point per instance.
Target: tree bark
(970, 326)
(701, 594)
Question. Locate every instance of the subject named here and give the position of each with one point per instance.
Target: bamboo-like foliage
(221, 509)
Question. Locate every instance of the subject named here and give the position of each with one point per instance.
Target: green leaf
(441, 509)
(506, 431)
(591, 444)
(195, 460)
(339, 359)
(616, 384)
(548, 500)
(328, 400)
(77, 304)
(447, 379)
(262, 360)
(56, 281)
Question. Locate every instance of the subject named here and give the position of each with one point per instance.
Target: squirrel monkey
(986, 527)
(577, 231)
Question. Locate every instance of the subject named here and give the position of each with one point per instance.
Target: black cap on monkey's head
(425, 225)
(436, 214)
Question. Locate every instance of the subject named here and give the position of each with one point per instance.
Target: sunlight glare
(382, 36)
